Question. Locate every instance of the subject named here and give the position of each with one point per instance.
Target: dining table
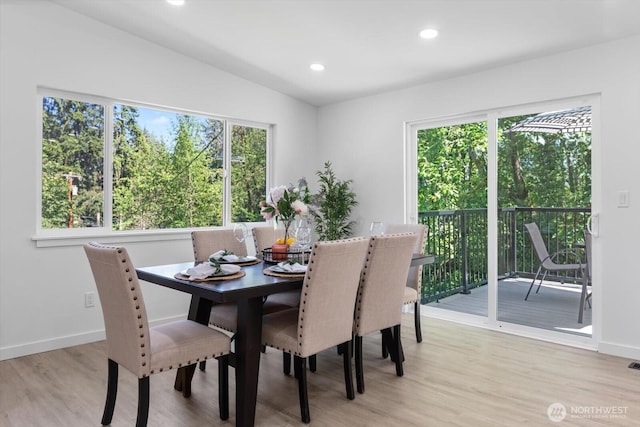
(248, 292)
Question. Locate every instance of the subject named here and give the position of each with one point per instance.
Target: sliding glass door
(476, 181)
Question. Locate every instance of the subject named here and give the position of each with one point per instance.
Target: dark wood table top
(254, 284)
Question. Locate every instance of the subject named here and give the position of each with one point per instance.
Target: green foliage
(534, 169)
(452, 167)
(156, 183)
(334, 203)
(248, 172)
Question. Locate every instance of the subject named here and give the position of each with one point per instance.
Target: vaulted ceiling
(367, 46)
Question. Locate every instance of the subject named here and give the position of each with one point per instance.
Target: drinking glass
(303, 237)
(377, 228)
(240, 231)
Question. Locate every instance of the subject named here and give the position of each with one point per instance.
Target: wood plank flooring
(458, 376)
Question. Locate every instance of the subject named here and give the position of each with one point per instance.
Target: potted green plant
(333, 205)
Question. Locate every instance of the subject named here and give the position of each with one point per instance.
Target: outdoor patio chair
(547, 261)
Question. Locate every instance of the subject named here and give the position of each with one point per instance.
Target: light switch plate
(623, 199)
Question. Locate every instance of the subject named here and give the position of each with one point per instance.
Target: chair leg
(397, 348)
(286, 363)
(543, 277)
(143, 402)
(300, 370)
(203, 365)
(112, 391)
(532, 282)
(348, 375)
(187, 372)
(313, 363)
(223, 387)
(359, 367)
(416, 318)
(387, 340)
(385, 346)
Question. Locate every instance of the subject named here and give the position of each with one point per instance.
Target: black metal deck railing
(458, 239)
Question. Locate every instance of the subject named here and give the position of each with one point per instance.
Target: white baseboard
(11, 352)
(619, 350)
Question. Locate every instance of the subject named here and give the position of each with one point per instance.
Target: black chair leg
(532, 283)
(397, 348)
(223, 387)
(143, 402)
(203, 365)
(347, 350)
(286, 363)
(387, 342)
(385, 345)
(359, 367)
(300, 370)
(313, 363)
(112, 391)
(416, 315)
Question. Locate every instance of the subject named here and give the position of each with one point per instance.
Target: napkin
(229, 257)
(204, 270)
(292, 268)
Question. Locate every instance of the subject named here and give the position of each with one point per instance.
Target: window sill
(84, 236)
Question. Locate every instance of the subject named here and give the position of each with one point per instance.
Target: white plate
(222, 273)
(278, 269)
(240, 260)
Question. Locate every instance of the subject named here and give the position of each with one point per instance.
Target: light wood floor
(458, 376)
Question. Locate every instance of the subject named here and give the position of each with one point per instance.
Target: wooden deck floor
(554, 307)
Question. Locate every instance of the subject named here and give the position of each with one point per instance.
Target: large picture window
(131, 167)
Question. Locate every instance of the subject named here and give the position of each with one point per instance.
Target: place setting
(206, 272)
(286, 269)
(224, 256)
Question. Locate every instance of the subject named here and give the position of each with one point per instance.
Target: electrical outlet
(89, 299)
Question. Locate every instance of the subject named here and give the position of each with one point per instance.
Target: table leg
(199, 311)
(248, 345)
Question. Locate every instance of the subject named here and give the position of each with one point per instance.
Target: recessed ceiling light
(429, 33)
(176, 2)
(317, 67)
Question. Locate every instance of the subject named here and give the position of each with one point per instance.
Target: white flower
(300, 207)
(276, 193)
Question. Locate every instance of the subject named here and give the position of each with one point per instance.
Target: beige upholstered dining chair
(413, 289)
(325, 316)
(264, 237)
(206, 242)
(380, 295)
(142, 350)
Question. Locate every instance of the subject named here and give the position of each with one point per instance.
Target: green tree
(248, 172)
(452, 167)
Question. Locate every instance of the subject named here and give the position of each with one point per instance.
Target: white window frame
(80, 236)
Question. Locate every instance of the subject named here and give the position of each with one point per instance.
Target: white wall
(42, 289)
(364, 139)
